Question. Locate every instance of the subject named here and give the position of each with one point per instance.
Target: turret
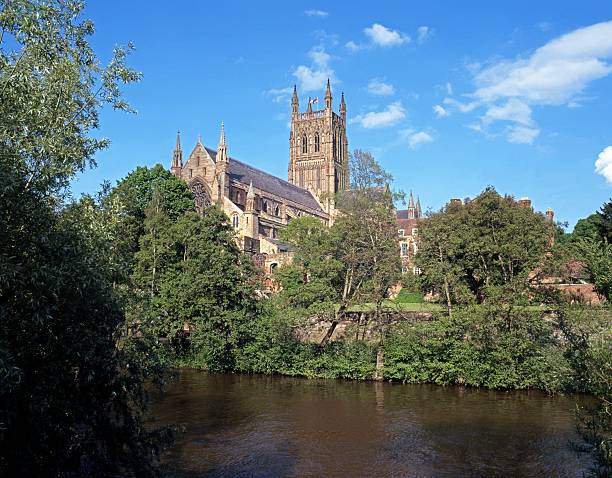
(411, 208)
(328, 97)
(251, 216)
(177, 156)
(343, 107)
(294, 102)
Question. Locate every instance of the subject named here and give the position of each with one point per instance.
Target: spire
(222, 136)
(328, 96)
(177, 156)
(309, 110)
(199, 139)
(342, 106)
(294, 101)
(251, 191)
(411, 201)
(222, 148)
(418, 207)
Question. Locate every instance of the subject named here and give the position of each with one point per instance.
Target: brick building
(408, 231)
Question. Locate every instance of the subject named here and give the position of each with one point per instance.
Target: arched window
(273, 267)
(277, 211)
(264, 206)
(334, 145)
(304, 143)
(235, 221)
(317, 142)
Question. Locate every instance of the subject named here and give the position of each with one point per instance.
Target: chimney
(525, 202)
(550, 215)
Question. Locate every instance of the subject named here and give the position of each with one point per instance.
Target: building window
(235, 221)
(191, 173)
(334, 146)
(304, 144)
(414, 247)
(277, 211)
(405, 269)
(400, 232)
(317, 142)
(198, 161)
(416, 271)
(273, 267)
(404, 249)
(415, 231)
(264, 206)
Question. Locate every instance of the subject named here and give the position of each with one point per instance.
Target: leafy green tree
(70, 399)
(605, 221)
(587, 228)
(126, 205)
(483, 249)
(598, 258)
(193, 278)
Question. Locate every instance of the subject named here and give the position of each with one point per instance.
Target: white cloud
(279, 94)
(513, 110)
(423, 33)
(521, 134)
(385, 37)
(556, 74)
(315, 77)
(603, 164)
(415, 138)
(449, 88)
(545, 26)
(352, 46)
(440, 111)
(378, 87)
(380, 119)
(316, 13)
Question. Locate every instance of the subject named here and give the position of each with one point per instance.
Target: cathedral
(258, 203)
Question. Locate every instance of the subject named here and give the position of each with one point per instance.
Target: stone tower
(318, 149)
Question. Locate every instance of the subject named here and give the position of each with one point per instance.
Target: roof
(267, 182)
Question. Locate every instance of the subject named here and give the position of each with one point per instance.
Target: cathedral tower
(318, 149)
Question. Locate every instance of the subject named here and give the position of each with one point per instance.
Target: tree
(63, 379)
(588, 228)
(605, 221)
(483, 249)
(193, 278)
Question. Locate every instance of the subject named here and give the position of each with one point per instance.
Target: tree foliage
(480, 249)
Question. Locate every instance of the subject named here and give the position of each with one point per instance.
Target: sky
(450, 97)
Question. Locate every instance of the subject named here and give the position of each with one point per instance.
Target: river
(260, 426)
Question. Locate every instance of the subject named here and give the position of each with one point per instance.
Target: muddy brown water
(260, 426)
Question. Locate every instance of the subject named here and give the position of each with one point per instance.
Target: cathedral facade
(258, 203)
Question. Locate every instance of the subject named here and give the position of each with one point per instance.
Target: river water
(259, 426)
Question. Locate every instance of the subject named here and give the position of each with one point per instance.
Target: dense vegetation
(99, 295)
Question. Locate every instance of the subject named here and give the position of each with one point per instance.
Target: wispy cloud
(416, 138)
(440, 111)
(555, 74)
(603, 164)
(315, 76)
(353, 47)
(316, 13)
(279, 94)
(423, 34)
(382, 36)
(381, 119)
(378, 87)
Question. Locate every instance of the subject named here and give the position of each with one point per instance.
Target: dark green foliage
(589, 335)
(479, 346)
(126, 205)
(588, 228)
(197, 288)
(604, 224)
(64, 382)
(274, 349)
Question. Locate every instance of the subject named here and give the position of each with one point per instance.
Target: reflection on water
(258, 426)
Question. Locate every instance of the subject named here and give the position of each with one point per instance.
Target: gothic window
(264, 206)
(404, 249)
(277, 211)
(334, 145)
(273, 267)
(235, 221)
(200, 195)
(318, 183)
(304, 144)
(317, 142)
(198, 161)
(190, 173)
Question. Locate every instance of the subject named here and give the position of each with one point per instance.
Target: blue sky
(449, 96)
